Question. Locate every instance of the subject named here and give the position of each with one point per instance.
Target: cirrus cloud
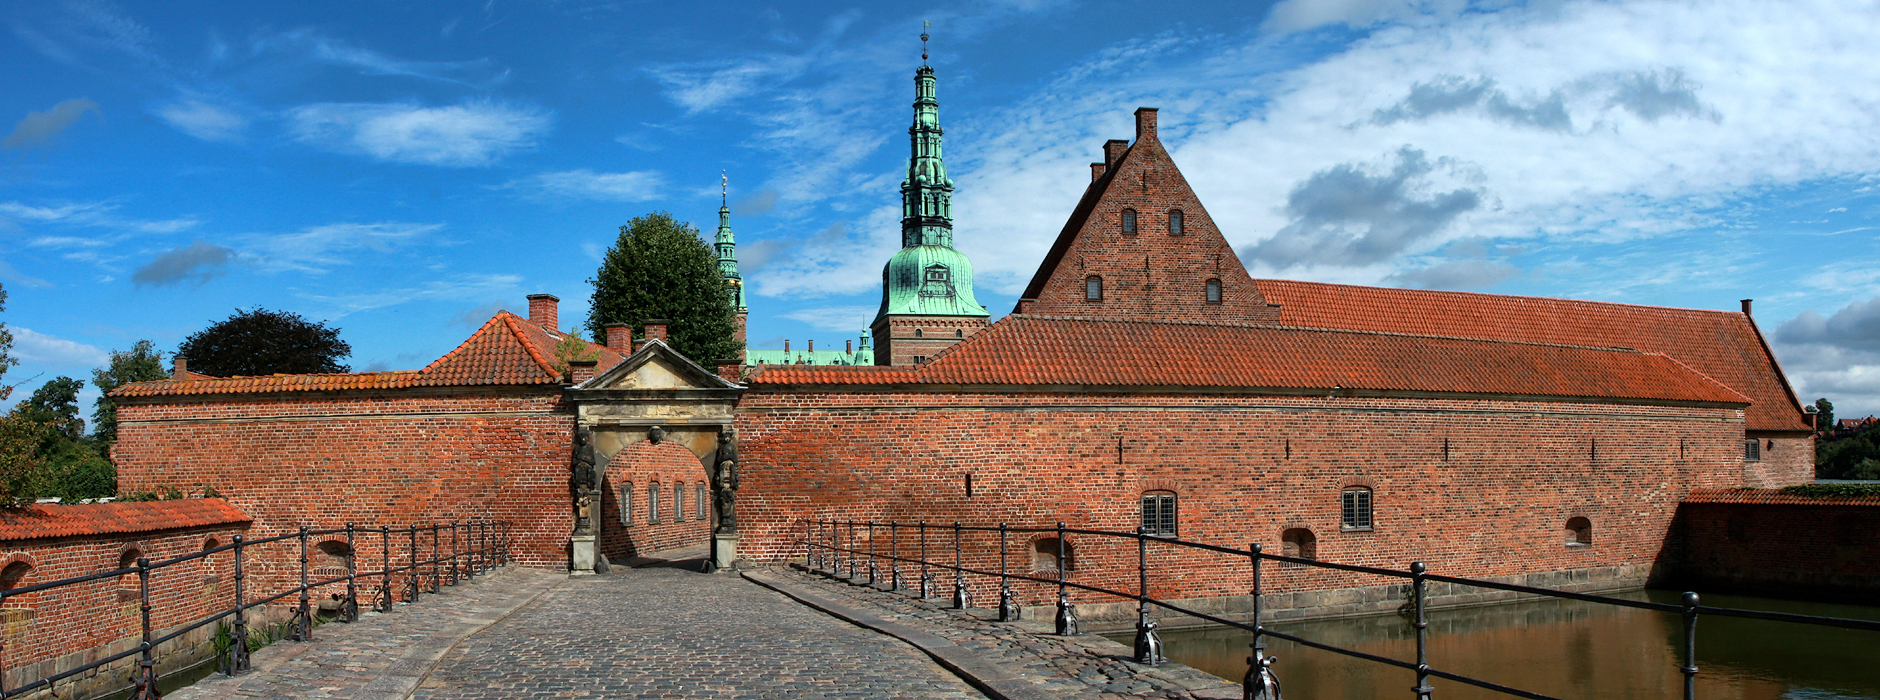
(465, 135)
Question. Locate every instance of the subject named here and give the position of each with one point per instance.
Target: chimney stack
(848, 347)
(1746, 306)
(619, 337)
(730, 370)
(1145, 123)
(581, 370)
(182, 368)
(1096, 171)
(812, 344)
(656, 329)
(1113, 151)
(786, 345)
(542, 310)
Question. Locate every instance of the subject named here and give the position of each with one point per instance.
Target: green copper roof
(727, 248)
(863, 355)
(928, 277)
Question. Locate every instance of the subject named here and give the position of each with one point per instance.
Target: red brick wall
(38, 628)
(1786, 461)
(1494, 503)
(397, 458)
(1828, 550)
(896, 342)
(642, 465)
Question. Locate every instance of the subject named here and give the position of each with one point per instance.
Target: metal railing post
(238, 635)
(1148, 643)
(1690, 646)
(1008, 608)
(303, 618)
(146, 657)
(1066, 611)
(961, 598)
(351, 612)
(851, 550)
(874, 569)
(452, 578)
(437, 579)
(1259, 683)
(384, 603)
(411, 576)
(1420, 589)
(894, 555)
(926, 579)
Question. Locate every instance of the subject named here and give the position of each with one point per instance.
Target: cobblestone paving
(1087, 666)
(383, 655)
(670, 633)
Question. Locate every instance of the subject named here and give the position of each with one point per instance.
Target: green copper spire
(728, 247)
(927, 277)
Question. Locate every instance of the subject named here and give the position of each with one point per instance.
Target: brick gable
(1153, 273)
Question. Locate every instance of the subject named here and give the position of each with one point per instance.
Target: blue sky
(402, 170)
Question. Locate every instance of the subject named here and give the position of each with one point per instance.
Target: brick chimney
(543, 309)
(1145, 123)
(1746, 306)
(182, 368)
(1023, 304)
(731, 370)
(619, 337)
(656, 329)
(786, 345)
(812, 344)
(848, 346)
(1096, 171)
(1113, 151)
(581, 370)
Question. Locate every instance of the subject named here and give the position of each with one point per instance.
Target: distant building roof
(43, 521)
(1034, 350)
(1774, 497)
(507, 350)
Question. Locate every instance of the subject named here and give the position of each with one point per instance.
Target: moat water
(1566, 649)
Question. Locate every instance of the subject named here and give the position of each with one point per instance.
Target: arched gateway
(657, 395)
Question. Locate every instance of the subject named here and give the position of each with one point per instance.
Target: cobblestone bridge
(666, 632)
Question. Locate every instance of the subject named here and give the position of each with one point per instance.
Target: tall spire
(727, 246)
(927, 193)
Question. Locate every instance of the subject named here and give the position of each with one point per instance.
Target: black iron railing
(483, 546)
(823, 540)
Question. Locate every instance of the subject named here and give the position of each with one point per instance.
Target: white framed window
(1354, 508)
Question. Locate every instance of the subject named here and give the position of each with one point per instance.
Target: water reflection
(1567, 649)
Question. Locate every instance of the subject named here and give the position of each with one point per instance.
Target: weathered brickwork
(901, 341)
(1801, 548)
(1476, 487)
(1787, 460)
(1155, 272)
(399, 457)
(56, 630)
(640, 477)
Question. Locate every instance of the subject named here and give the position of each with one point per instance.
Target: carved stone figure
(725, 482)
(582, 480)
(655, 435)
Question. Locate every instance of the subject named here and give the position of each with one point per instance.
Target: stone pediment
(656, 367)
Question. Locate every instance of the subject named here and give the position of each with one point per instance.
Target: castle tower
(927, 299)
(727, 248)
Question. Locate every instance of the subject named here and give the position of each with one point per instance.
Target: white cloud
(635, 186)
(33, 346)
(320, 248)
(469, 134)
(203, 120)
(89, 214)
(835, 318)
(455, 289)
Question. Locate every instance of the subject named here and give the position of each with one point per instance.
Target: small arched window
(918, 333)
(678, 502)
(1175, 223)
(127, 583)
(1044, 557)
(1158, 513)
(959, 333)
(1354, 508)
(700, 500)
(1214, 291)
(13, 574)
(1299, 542)
(1093, 288)
(652, 503)
(1579, 532)
(626, 504)
(1129, 221)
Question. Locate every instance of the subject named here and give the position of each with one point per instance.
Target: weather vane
(923, 40)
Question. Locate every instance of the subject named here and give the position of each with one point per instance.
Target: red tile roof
(1725, 346)
(506, 350)
(42, 521)
(1036, 350)
(1774, 497)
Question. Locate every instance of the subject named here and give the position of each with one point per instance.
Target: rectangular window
(626, 504)
(1752, 450)
(1355, 509)
(678, 502)
(652, 503)
(1175, 223)
(701, 500)
(1158, 514)
(1129, 221)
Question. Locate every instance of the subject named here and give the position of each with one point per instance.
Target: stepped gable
(507, 350)
(1057, 351)
(78, 520)
(1155, 273)
(1724, 345)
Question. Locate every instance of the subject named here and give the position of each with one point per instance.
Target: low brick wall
(1766, 542)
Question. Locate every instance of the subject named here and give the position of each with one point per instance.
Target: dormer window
(1175, 223)
(1093, 288)
(936, 281)
(1129, 221)
(1214, 291)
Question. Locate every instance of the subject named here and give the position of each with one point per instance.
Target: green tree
(263, 342)
(1825, 419)
(66, 463)
(661, 268)
(141, 363)
(19, 438)
(6, 348)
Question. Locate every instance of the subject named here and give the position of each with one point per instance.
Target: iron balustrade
(488, 548)
(825, 551)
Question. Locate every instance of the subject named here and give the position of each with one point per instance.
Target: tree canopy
(6, 349)
(262, 342)
(141, 363)
(661, 268)
(1825, 411)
